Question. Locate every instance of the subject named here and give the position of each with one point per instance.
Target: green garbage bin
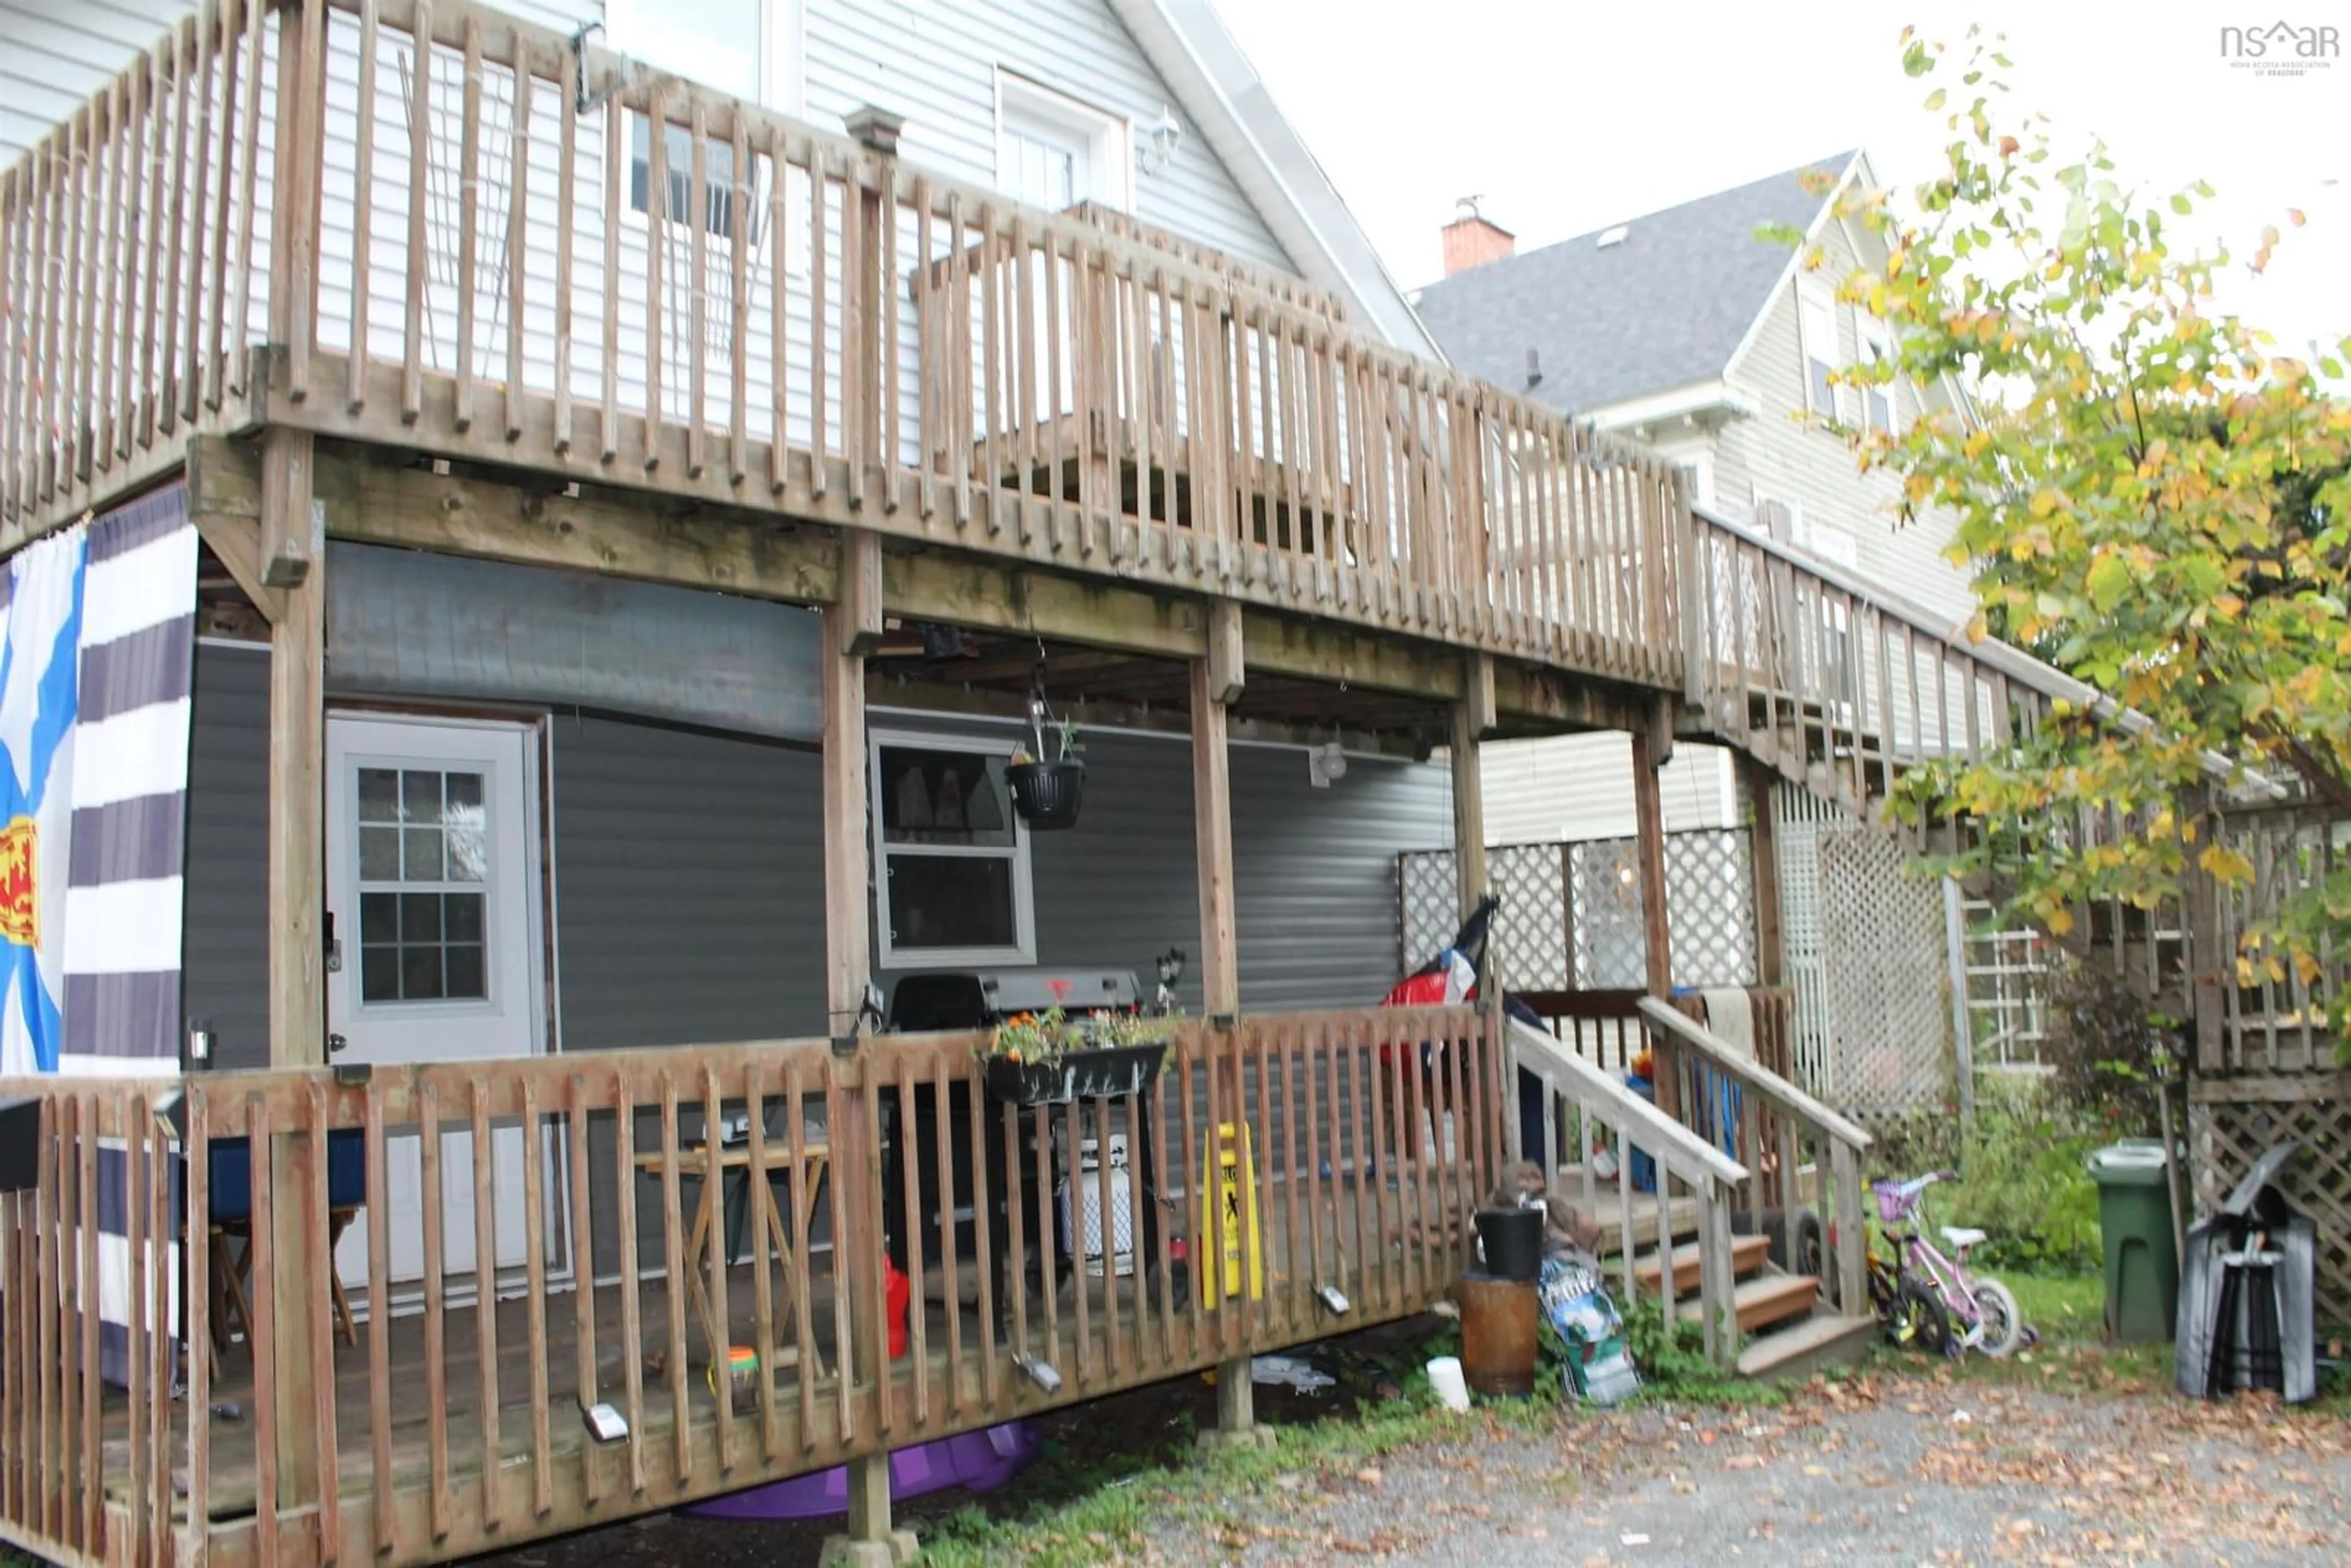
(2142, 1259)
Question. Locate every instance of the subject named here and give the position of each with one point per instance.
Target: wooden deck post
(1220, 991)
(1652, 747)
(300, 1341)
(1770, 940)
(870, 1542)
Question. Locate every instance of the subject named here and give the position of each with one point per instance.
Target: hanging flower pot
(1047, 794)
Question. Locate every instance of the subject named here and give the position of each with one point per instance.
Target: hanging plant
(1047, 791)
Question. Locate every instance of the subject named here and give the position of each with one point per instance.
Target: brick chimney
(1470, 241)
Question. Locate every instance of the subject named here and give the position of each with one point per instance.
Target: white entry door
(433, 889)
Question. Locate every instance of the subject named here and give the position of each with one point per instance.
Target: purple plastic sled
(981, 1462)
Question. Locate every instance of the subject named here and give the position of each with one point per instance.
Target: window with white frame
(950, 857)
(1053, 150)
(1816, 328)
(1878, 398)
(733, 46)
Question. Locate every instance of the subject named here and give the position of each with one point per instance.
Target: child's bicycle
(1934, 1298)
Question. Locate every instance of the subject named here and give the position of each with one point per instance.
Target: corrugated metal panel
(408, 622)
(226, 960)
(1572, 788)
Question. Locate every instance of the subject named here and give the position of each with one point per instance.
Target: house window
(1053, 150)
(951, 860)
(1816, 327)
(1877, 397)
(677, 166)
(726, 44)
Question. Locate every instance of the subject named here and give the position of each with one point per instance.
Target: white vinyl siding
(938, 65)
(1780, 454)
(1572, 788)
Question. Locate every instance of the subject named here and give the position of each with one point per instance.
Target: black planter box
(1080, 1075)
(1047, 794)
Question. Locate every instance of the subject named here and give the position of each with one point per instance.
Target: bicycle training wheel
(2003, 1325)
(1921, 1322)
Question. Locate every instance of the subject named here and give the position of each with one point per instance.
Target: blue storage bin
(231, 1173)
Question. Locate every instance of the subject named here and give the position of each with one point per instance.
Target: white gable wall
(1777, 454)
(937, 65)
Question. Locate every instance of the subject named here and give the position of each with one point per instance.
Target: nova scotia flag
(40, 643)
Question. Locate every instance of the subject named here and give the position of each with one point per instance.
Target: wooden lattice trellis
(2231, 1122)
(1710, 911)
(1882, 935)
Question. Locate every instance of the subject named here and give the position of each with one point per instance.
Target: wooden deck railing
(568, 1193)
(1724, 1096)
(1602, 1113)
(463, 240)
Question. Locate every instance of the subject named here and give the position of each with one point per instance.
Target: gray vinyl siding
(1776, 454)
(689, 887)
(228, 888)
(937, 66)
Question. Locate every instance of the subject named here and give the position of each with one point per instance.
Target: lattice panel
(1611, 949)
(2226, 1137)
(1799, 819)
(1710, 879)
(1710, 906)
(1529, 938)
(1882, 938)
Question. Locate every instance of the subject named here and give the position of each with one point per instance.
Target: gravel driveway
(1896, 1468)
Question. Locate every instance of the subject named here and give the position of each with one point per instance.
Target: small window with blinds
(1816, 328)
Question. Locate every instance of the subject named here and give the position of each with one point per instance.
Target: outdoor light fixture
(1335, 1300)
(1166, 136)
(1041, 1373)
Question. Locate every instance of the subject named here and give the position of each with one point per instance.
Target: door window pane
(421, 831)
(930, 797)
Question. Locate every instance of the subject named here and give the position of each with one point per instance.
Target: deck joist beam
(690, 544)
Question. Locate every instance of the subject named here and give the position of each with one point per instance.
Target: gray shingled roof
(1664, 307)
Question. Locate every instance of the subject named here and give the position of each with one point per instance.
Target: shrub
(2022, 1178)
(2109, 1058)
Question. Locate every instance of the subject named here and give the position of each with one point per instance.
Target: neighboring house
(1685, 331)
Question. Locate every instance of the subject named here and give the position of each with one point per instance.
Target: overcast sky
(1565, 116)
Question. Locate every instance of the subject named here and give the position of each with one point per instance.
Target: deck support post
(870, 1542)
(1652, 748)
(297, 1012)
(1771, 938)
(1220, 996)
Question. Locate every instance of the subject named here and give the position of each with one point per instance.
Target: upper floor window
(1817, 334)
(1879, 403)
(951, 860)
(731, 46)
(1053, 150)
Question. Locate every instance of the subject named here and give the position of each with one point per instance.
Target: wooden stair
(1747, 1253)
(1765, 1300)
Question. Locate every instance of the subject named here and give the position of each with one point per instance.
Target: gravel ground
(1902, 1467)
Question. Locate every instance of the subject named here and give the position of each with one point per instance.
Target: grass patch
(2061, 1307)
(1094, 1510)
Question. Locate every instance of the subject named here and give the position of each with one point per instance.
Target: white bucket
(1446, 1381)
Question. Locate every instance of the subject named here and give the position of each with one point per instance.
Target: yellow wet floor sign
(1230, 1175)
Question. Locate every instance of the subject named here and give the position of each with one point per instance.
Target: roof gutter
(1218, 88)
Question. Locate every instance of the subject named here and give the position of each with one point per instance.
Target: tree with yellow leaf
(2152, 498)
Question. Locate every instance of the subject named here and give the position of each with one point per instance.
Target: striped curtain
(97, 653)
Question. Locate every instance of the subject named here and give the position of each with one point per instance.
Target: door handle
(336, 1042)
(334, 949)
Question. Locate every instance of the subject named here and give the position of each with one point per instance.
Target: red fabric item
(898, 1296)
